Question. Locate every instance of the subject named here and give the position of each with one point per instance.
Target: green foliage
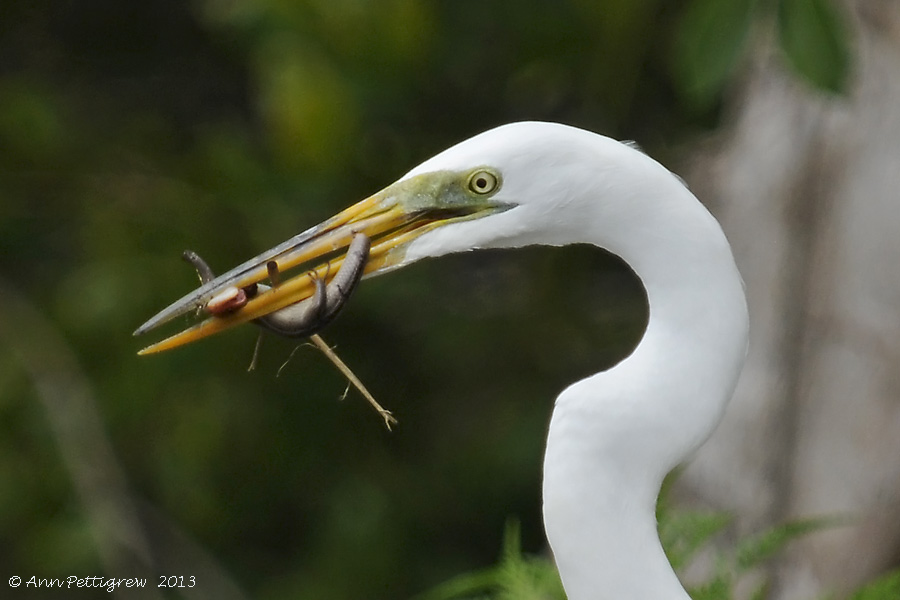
(685, 535)
(756, 550)
(712, 38)
(814, 39)
(709, 44)
(747, 557)
(515, 577)
(886, 587)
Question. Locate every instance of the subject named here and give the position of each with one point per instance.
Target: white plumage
(615, 435)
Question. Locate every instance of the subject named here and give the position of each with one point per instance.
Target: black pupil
(481, 183)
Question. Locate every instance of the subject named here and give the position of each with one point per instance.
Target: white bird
(613, 436)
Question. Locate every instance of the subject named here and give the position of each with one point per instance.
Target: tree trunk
(808, 190)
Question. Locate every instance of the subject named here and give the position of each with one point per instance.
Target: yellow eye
(483, 182)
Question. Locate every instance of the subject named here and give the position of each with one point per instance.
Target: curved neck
(615, 435)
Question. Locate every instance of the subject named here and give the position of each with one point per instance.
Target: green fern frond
(516, 577)
(718, 588)
(683, 534)
(755, 550)
(886, 587)
(762, 591)
(478, 585)
(523, 577)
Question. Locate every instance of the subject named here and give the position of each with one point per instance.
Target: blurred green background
(130, 131)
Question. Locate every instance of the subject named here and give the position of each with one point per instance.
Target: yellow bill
(391, 219)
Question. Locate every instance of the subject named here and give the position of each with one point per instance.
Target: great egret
(614, 435)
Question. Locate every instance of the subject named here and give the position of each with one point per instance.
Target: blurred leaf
(467, 585)
(754, 551)
(762, 591)
(815, 42)
(708, 46)
(308, 106)
(883, 588)
(718, 588)
(31, 124)
(683, 534)
(516, 577)
(526, 578)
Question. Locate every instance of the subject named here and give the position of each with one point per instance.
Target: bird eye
(483, 182)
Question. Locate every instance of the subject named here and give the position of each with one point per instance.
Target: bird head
(506, 187)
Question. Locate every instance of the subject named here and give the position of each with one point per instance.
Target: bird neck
(615, 435)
